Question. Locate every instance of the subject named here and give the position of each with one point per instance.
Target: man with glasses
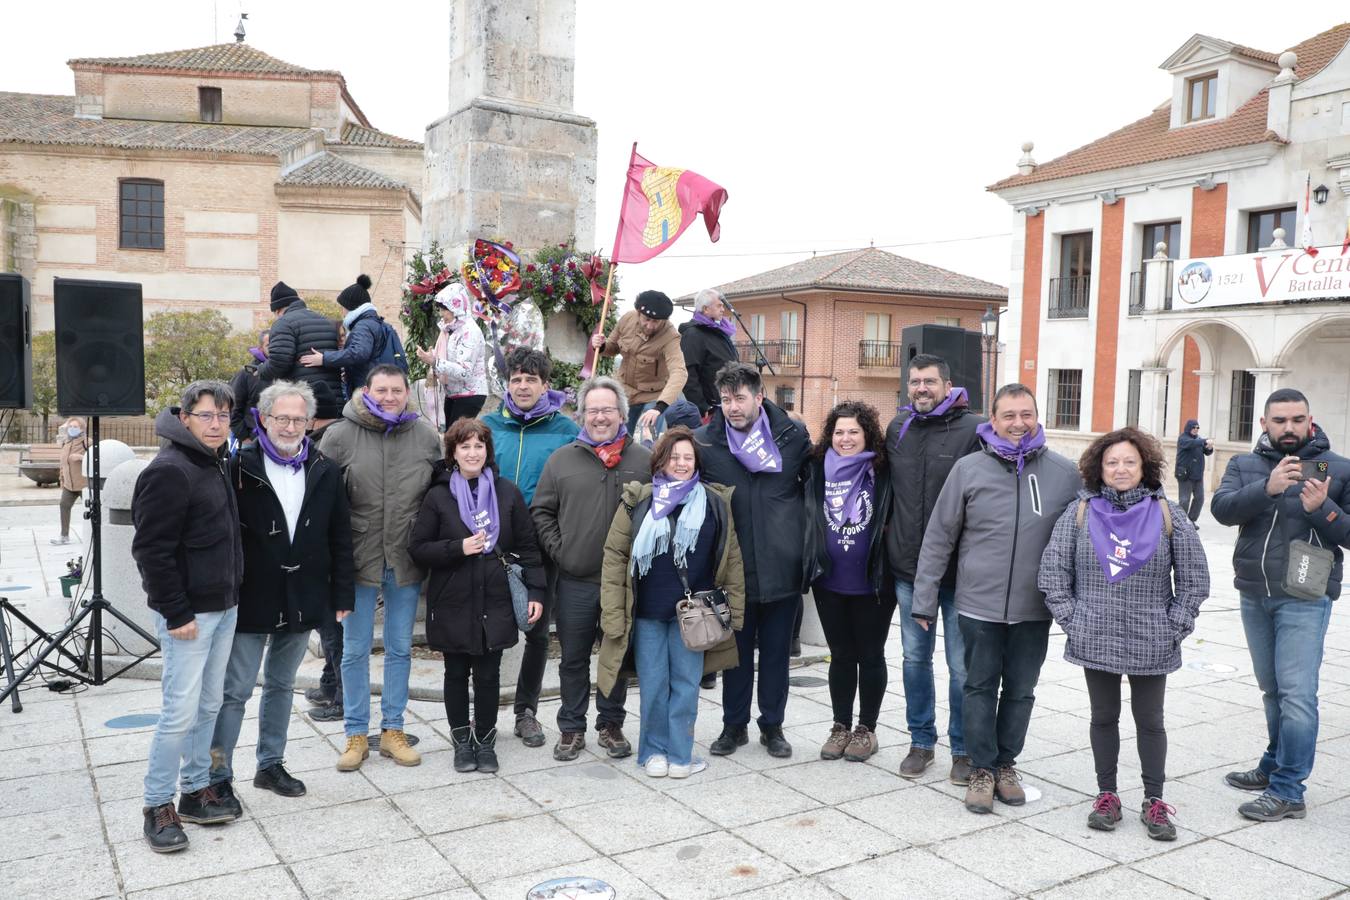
(297, 543)
(573, 507)
(652, 371)
(187, 548)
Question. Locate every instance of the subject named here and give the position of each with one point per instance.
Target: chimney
(1026, 165)
(239, 29)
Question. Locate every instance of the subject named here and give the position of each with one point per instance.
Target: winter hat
(457, 299)
(654, 305)
(283, 295)
(354, 295)
(327, 405)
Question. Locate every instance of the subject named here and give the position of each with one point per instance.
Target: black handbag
(520, 594)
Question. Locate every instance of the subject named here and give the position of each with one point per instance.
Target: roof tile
(329, 170)
(868, 269)
(360, 136)
(236, 57)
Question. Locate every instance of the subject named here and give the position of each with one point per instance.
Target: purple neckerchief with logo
(957, 397)
(258, 354)
(847, 478)
(755, 448)
(390, 420)
(296, 462)
(1006, 449)
(1123, 539)
(724, 325)
(550, 402)
(477, 509)
(667, 493)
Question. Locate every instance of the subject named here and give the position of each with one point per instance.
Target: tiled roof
(328, 170)
(869, 269)
(47, 119)
(1151, 140)
(360, 136)
(235, 57)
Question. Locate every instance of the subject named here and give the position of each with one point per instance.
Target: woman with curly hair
(1108, 575)
(847, 497)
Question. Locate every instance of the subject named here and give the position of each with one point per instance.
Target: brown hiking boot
(980, 791)
(1008, 786)
(836, 743)
(861, 745)
(394, 744)
(611, 738)
(960, 773)
(914, 763)
(569, 746)
(528, 729)
(358, 749)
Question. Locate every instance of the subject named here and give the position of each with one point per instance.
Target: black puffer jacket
(186, 545)
(292, 585)
(365, 342)
(299, 330)
(468, 598)
(1191, 453)
(815, 557)
(767, 506)
(246, 388)
(1267, 524)
(705, 351)
(919, 466)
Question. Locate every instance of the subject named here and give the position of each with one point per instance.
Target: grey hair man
(707, 345)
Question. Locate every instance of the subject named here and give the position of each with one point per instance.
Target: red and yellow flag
(659, 203)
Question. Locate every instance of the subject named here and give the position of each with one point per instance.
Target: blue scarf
(653, 537)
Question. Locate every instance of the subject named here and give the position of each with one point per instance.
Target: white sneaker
(63, 539)
(657, 767)
(694, 767)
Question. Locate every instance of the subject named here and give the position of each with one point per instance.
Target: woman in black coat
(471, 523)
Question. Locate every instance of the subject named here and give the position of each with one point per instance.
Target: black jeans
(856, 629)
(1146, 703)
(463, 408)
(535, 658)
(578, 627)
(1011, 656)
(330, 636)
(1191, 497)
(768, 626)
(486, 671)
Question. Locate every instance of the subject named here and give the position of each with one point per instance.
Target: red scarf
(611, 453)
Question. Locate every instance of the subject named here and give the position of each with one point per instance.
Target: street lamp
(1320, 194)
(989, 336)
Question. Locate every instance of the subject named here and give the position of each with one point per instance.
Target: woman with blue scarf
(677, 525)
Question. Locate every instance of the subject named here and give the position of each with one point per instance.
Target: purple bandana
(296, 462)
(1123, 539)
(755, 448)
(589, 441)
(390, 420)
(724, 325)
(667, 493)
(258, 354)
(955, 398)
(846, 479)
(477, 509)
(1018, 452)
(551, 402)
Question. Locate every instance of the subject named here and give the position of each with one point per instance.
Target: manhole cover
(1213, 668)
(138, 720)
(807, 681)
(572, 888)
(374, 740)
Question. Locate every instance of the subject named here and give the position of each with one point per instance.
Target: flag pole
(592, 354)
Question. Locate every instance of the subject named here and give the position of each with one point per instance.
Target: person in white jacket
(458, 363)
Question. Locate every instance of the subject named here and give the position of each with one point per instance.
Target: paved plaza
(750, 826)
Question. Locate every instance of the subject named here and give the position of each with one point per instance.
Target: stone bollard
(812, 632)
(111, 454)
(121, 579)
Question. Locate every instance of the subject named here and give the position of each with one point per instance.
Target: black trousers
(768, 628)
(330, 636)
(535, 659)
(1146, 703)
(1003, 656)
(486, 670)
(463, 408)
(1191, 497)
(578, 627)
(856, 629)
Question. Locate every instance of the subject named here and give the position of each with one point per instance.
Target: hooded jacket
(386, 477)
(187, 545)
(652, 369)
(997, 522)
(461, 360)
(815, 557)
(365, 340)
(522, 447)
(706, 350)
(1267, 524)
(1191, 453)
(297, 331)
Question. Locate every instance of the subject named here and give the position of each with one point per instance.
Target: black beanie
(327, 405)
(283, 295)
(353, 295)
(654, 305)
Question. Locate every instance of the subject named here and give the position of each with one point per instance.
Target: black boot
(732, 736)
(205, 807)
(462, 740)
(771, 736)
(485, 751)
(276, 779)
(163, 829)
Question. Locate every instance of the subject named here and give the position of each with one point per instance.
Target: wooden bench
(41, 464)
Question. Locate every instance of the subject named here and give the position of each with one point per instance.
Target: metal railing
(1139, 288)
(879, 354)
(1069, 297)
(133, 432)
(776, 353)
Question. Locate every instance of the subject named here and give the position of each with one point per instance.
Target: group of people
(524, 516)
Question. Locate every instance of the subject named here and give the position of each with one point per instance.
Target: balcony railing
(879, 354)
(1139, 287)
(775, 353)
(1069, 297)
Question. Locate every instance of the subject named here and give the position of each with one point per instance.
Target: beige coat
(652, 368)
(72, 464)
(617, 599)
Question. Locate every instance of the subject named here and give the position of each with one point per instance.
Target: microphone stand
(761, 361)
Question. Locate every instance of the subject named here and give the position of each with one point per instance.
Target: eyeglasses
(594, 411)
(924, 382)
(289, 421)
(207, 418)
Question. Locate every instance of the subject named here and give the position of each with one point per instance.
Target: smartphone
(1313, 470)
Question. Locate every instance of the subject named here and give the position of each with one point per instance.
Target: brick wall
(1108, 315)
(1029, 346)
(174, 98)
(1209, 223)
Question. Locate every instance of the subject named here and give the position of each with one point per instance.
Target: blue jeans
(192, 684)
(668, 676)
(635, 412)
(920, 695)
(285, 651)
(358, 632)
(1284, 637)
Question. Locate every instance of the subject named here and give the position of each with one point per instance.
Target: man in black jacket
(188, 551)
(1290, 488)
(1190, 469)
(923, 442)
(246, 387)
(296, 330)
(707, 345)
(298, 574)
(752, 445)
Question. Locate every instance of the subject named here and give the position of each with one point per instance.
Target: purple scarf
(847, 478)
(724, 325)
(390, 420)
(1123, 539)
(477, 510)
(296, 462)
(955, 398)
(589, 441)
(1018, 452)
(667, 493)
(551, 402)
(258, 354)
(755, 448)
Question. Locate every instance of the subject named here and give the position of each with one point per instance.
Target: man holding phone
(1290, 499)
(1190, 469)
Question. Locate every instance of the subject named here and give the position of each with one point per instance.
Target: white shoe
(63, 539)
(657, 767)
(694, 767)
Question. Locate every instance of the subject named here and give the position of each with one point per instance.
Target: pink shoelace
(1106, 802)
(1158, 813)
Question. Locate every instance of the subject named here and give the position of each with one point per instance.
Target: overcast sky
(832, 125)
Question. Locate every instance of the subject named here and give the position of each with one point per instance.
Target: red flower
(571, 266)
(562, 246)
(556, 267)
(530, 267)
(529, 285)
(570, 296)
(509, 246)
(548, 289)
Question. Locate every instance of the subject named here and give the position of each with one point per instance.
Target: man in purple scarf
(708, 344)
(246, 386)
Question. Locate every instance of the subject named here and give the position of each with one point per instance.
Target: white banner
(1269, 277)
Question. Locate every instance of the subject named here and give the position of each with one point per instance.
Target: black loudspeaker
(16, 343)
(100, 348)
(960, 348)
